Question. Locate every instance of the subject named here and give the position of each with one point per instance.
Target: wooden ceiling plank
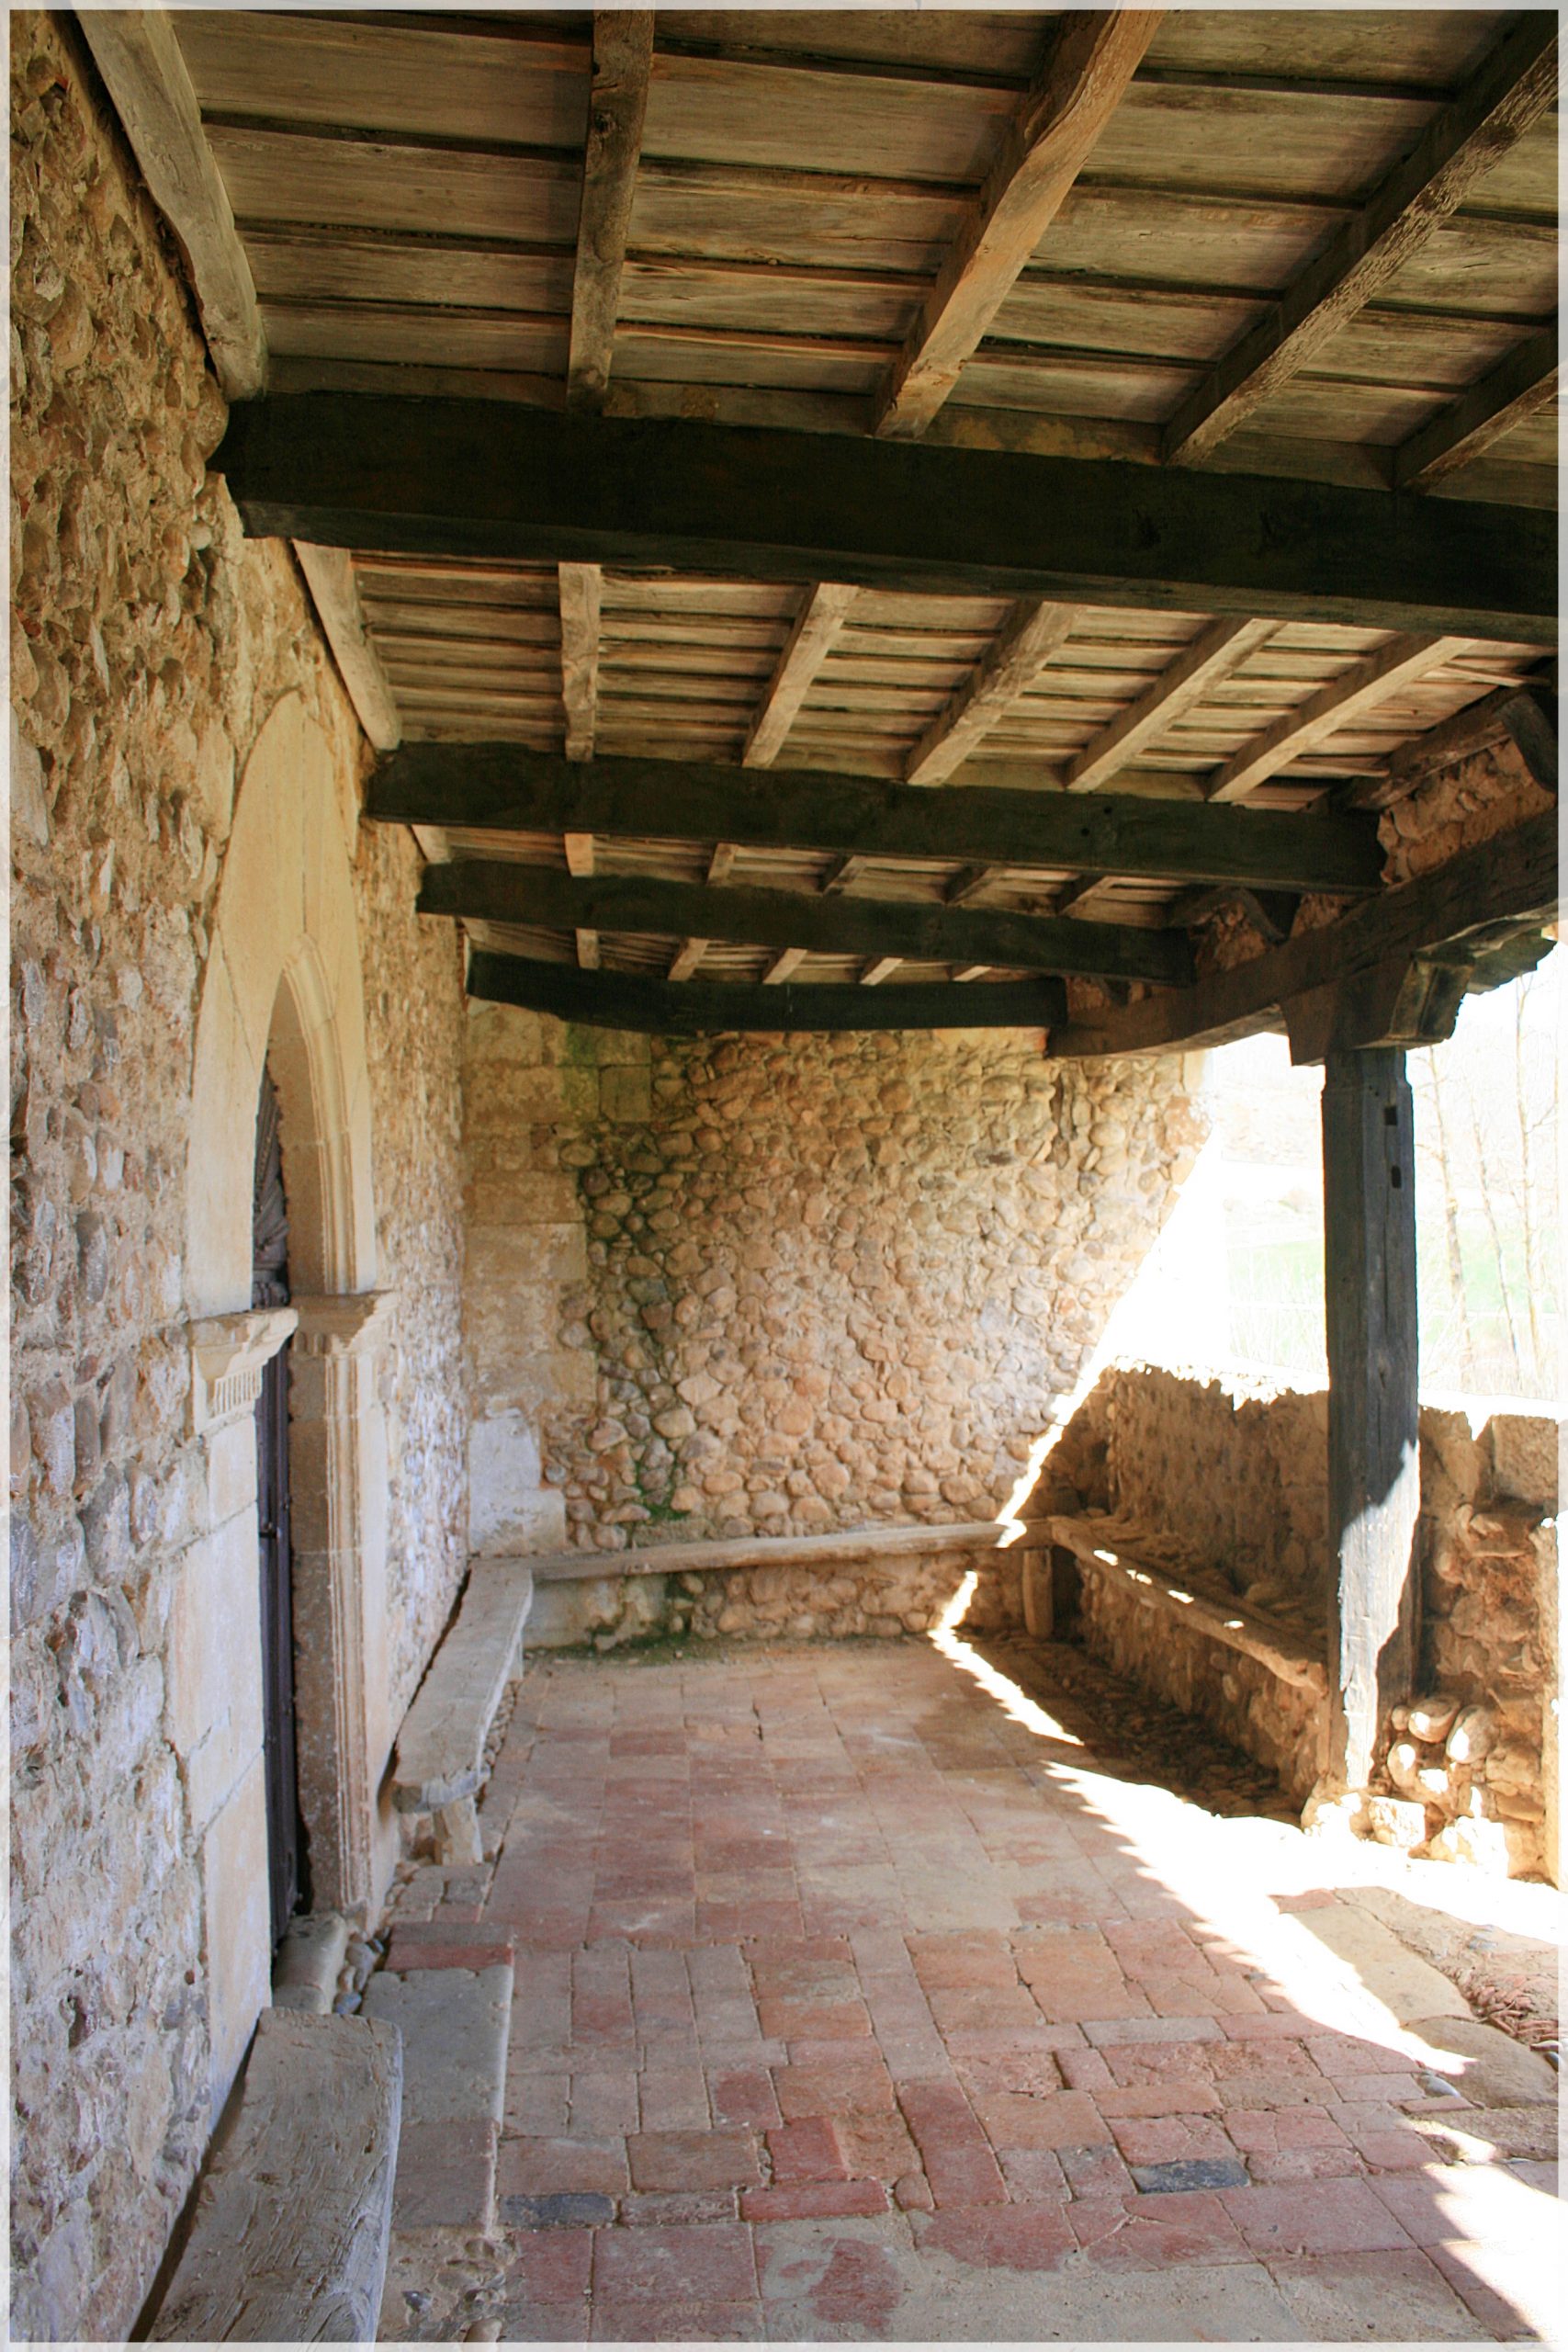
(1524, 384)
(1092, 59)
(623, 57)
(138, 56)
(398, 474)
(821, 616)
(842, 873)
(1033, 632)
(621, 1000)
(968, 884)
(329, 575)
(788, 960)
(894, 930)
(507, 788)
(587, 951)
(1333, 708)
(1223, 647)
(880, 968)
(1512, 88)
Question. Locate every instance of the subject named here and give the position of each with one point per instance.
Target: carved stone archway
(283, 983)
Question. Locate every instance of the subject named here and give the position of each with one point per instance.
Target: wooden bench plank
(1099, 1545)
(440, 1756)
(288, 2241)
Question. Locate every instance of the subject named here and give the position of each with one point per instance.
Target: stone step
(448, 1991)
(287, 2242)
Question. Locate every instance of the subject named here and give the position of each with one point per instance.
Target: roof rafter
(821, 616)
(1382, 673)
(1032, 632)
(1213, 653)
(1511, 91)
(1524, 383)
(1092, 59)
(622, 56)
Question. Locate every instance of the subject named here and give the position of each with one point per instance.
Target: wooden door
(269, 1287)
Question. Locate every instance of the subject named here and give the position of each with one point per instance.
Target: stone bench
(287, 2239)
(1108, 1550)
(440, 1762)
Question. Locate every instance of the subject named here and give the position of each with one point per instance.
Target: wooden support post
(1374, 1480)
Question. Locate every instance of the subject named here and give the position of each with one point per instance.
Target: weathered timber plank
(1101, 1547)
(783, 966)
(687, 957)
(1223, 647)
(440, 1751)
(1524, 383)
(1512, 88)
(623, 57)
(715, 1555)
(822, 616)
(695, 1009)
(490, 479)
(505, 788)
(136, 52)
(505, 891)
(329, 575)
(1334, 706)
(1020, 652)
(287, 2240)
(1374, 1478)
(1092, 59)
(581, 588)
(1450, 915)
(1526, 716)
(880, 968)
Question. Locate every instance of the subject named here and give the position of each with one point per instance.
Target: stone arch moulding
(282, 983)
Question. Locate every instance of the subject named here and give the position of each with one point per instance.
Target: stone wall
(795, 1600)
(1236, 1483)
(781, 1286)
(149, 645)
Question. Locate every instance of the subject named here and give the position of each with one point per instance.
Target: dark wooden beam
(623, 57)
(505, 892)
(1524, 383)
(1514, 86)
(1374, 1477)
(1525, 716)
(1092, 57)
(472, 478)
(698, 1008)
(1455, 916)
(501, 788)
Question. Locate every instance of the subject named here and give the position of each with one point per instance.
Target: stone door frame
(282, 983)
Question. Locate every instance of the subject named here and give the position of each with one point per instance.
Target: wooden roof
(1314, 246)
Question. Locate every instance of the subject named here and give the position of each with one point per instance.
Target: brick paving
(855, 2001)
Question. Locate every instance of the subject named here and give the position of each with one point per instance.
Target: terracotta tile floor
(856, 1999)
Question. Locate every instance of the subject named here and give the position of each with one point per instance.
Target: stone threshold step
(448, 1989)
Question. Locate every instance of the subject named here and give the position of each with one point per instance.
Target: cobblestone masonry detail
(765, 1286)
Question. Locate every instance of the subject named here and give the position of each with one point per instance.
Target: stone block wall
(780, 1286)
(1237, 1485)
(149, 645)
